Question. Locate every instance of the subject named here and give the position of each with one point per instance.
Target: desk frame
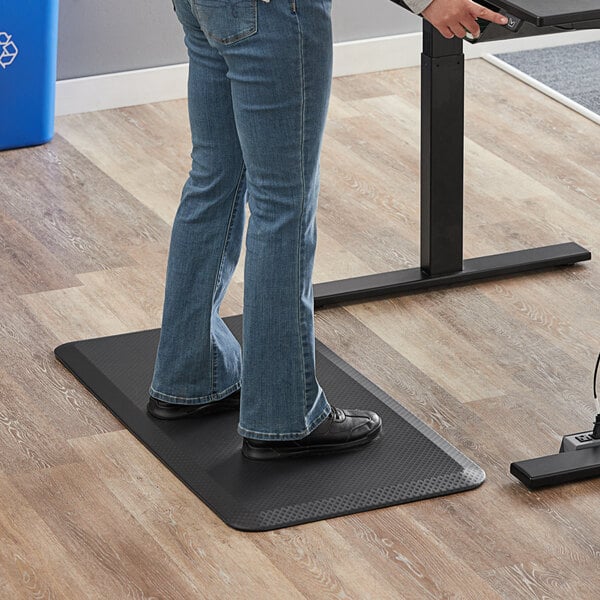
(442, 160)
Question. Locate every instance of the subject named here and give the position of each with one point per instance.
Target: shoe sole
(321, 449)
(207, 410)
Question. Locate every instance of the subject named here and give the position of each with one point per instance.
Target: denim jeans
(258, 92)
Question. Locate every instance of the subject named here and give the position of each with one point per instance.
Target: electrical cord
(596, 431)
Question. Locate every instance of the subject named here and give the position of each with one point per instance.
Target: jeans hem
(196, 399)
(293, 435)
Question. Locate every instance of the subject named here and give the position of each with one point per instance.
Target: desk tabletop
(551, 12)
(546, 12)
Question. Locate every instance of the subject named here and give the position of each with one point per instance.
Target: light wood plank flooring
(500, 368)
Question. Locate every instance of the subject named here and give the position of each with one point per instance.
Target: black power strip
(579, 457)
(558, 468)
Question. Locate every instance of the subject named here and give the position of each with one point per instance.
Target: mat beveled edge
(75, 361)
(456, 482)
(421, 426)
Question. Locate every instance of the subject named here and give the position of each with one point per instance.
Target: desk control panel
(514, 23)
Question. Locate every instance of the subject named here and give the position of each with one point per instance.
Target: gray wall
(108, 36)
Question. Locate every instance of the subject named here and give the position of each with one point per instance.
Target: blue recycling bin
(28, 43)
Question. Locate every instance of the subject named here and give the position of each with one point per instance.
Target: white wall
(110, 36)
(116, 53)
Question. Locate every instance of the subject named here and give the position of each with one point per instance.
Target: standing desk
(442, 154)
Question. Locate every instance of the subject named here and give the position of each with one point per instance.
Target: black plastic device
(578, 458)
(558, 468)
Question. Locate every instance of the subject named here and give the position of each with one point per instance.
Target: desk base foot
(484, 267)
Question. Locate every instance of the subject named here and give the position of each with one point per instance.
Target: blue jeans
(258, 92)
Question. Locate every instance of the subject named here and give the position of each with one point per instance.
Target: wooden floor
(501, 369)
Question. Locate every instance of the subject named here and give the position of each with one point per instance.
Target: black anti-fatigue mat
(409, 461)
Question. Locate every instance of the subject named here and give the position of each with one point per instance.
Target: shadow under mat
(409, 461)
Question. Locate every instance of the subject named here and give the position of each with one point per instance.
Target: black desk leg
(442, 152)
(442, 159)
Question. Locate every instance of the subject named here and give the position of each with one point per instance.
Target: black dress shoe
(167, 410)
(342, 430)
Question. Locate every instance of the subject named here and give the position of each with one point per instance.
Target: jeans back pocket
(227, 21)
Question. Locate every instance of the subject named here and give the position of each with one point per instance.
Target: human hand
(456, 17)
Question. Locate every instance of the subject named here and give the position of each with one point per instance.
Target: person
(259, 82)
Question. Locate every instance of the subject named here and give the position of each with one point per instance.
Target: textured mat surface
(573, 70)
(409, 461)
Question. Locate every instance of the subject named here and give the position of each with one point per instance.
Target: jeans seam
(228, 228)
(227, 237)
(193, 11)
(301, 219)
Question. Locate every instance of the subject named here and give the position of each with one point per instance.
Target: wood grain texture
(501, 369)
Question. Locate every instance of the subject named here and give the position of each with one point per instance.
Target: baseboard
(142, 86)
(127, 88)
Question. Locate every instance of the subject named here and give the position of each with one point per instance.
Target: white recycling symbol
(9, 50)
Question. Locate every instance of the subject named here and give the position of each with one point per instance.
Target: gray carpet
(573, 70)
